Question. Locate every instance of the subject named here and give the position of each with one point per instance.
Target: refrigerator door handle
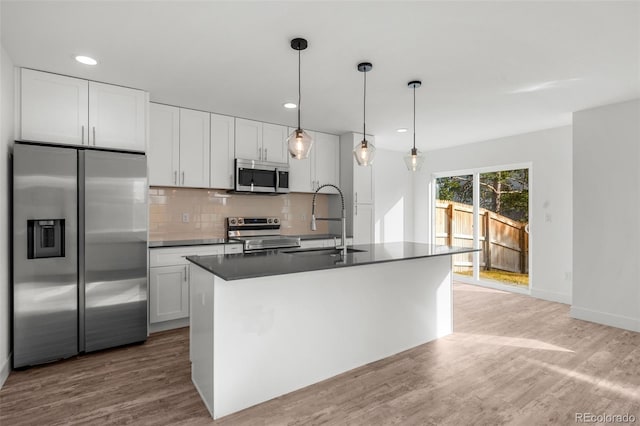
(175, 177)
(81, 251)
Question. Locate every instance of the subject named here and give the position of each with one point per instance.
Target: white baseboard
(551, 296)
(168, 325)
(619, 321)
(5, 370)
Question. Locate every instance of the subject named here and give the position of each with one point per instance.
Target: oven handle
(277, 180)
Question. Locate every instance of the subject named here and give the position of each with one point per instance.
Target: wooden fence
(504, 242)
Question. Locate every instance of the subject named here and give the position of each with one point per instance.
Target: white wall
(549, 153)
(6, 141)
(393, 216)
(606, 200)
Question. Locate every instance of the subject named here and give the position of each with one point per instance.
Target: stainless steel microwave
(261, 176)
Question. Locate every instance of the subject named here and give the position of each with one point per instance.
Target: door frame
(476, 172)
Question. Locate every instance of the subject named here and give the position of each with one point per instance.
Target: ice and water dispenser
(45, 238)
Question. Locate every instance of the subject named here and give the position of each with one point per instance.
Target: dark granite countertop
(252, 265)
(183, 243)
(209, 241)
(321, 236)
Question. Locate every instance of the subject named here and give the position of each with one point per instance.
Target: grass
(511, 278)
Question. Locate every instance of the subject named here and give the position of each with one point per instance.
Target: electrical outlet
(185, 217)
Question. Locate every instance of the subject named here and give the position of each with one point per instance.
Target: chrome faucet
(343, 218)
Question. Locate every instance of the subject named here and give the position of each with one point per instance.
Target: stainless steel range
(259, 233)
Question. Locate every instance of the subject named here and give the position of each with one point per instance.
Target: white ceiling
(489, 69)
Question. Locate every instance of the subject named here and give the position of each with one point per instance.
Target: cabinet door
(194, 148)
(363, 224)
(248, 139)
(222, 141)
(117, 117)
(274, 143)
(164, 145)
(168, 293)
(300, 179)
(54, 108)
(326, 150)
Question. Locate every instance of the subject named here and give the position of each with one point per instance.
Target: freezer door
(45, 254)
(115, 254)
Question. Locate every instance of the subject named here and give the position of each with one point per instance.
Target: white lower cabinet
(169, 293)
(169, 282)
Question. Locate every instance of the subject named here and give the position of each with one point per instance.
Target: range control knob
(269, 220)
(240, 221)
(232, 221)
(276, 220)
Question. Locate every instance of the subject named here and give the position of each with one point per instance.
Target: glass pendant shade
(364, 152)
(414, 160)
(300, 144)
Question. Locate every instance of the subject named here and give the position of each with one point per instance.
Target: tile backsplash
(206, 210)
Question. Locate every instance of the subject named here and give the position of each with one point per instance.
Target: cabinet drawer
(168, 256)
(232, 248)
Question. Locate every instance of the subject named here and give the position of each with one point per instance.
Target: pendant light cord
(364, 109)
(414, 116)
(299, 89)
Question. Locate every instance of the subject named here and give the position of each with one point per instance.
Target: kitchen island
(265, 324)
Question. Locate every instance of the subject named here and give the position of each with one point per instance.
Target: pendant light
(299, 141)
(364, 151)
(415, 158)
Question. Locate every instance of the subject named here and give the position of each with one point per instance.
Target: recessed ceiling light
(86, 60)
(289, 105)
(403, 130)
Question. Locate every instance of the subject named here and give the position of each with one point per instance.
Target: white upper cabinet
(260, 141)
(164, 145)
(326, 154)
(248, 139)
(222, 151)
(54, 108)
(194, 148)
(178, 147)
(60, 109)
(274, 143)
(362, 184)
(117, 117)
(363, 224)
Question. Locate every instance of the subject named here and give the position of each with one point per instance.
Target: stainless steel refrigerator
(79, 251)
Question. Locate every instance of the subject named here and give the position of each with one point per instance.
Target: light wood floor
(512, 360)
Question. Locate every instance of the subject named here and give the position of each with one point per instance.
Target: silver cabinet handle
(94, 135)
(259, 153)
(356, 197)
(183, 178)
(231, 180)
(82, 135)
(265, 154)
(185, 274)
(356, 206)
(175, 177)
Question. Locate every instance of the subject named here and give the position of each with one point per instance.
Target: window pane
(454, 218)
(504, 230)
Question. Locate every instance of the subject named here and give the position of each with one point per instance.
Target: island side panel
(276, 334)
(201, 332)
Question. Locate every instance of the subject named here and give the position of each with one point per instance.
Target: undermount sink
(322, 251)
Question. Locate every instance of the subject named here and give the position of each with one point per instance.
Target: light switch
(185, 217)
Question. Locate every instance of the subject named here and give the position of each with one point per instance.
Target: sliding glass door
(487, 209)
